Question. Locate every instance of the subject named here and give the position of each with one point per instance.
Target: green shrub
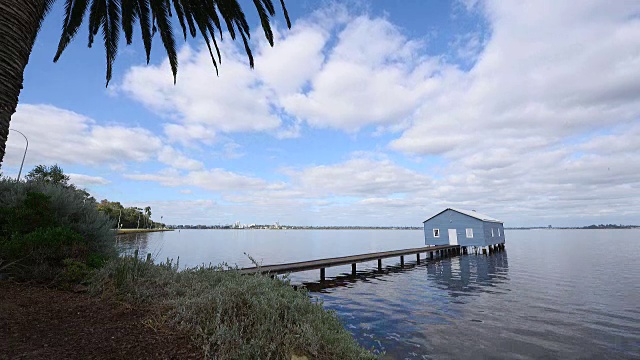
(41, 224)
(46, 244)
(232, 316)
(75, 272)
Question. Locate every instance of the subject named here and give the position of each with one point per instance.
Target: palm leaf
(203, 23)
(187, 8)
(286, 13)
(74, 14)
(264, 19)
(247, 49)
(143, 10)
(199, 16)
(96, 13)
(111, 33)
(177, 4)
(129, 15)
(161, 15)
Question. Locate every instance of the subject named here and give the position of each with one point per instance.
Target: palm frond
(264, 18)
(143, 11)
(162, 19)
(47, 5)
(247, 49)
(227, 15)
(129, 16)
(205, 17)
(180, 15)
(97, 11)
(286, 13)
(203, 22)
(74, 14)
(111, 33)
(187, 8)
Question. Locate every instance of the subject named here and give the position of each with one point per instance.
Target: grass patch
(231, 316)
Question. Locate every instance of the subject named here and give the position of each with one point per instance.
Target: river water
(567, 294)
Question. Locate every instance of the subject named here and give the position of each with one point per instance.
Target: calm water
(553, 294)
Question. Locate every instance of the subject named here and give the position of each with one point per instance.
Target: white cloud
(204, 103)
(373, 75)
(213, 179)
(359, 177)
(186, 134)
(82, 180)
(62, 136)
(178, 160)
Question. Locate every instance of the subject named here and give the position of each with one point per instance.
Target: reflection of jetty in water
(460, 275)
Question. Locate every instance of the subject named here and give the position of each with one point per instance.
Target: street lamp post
(25, 151)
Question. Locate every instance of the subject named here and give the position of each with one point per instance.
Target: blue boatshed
(463, 227)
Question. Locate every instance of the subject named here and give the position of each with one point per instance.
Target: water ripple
(519, 304)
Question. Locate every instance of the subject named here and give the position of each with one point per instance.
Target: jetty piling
(322, 264)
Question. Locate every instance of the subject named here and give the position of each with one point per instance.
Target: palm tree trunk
(19, 24)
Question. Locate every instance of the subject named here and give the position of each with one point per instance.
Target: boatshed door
(453, 237)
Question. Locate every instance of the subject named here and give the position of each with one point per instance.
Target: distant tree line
(130, 217)
(609, 226)
(124, 218)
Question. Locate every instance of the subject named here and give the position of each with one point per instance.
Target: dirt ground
(40, 323)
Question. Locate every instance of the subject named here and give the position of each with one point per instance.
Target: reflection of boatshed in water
(464, 228)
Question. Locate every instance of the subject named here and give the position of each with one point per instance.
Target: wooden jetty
(322, 264)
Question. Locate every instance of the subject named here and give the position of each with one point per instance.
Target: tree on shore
(20, 23)
(49, 174)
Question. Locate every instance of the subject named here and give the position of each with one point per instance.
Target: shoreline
(131, 231)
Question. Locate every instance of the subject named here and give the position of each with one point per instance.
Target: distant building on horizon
(463, 227)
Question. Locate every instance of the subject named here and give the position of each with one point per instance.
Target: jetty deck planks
(343, 260)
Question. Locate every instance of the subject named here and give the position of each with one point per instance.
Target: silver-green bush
(43, 224)
(70, 208)
(232, 316)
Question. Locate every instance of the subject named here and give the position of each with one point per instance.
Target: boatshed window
(469, 233)
(436, 232)
(498, 231)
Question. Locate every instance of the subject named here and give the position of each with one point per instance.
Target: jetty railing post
(418, 258)
(322, 273)
(379, 264)
(353, 269)
(431, 255)
(464, 250)
(401, 261)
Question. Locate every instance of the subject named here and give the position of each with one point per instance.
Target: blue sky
(364, 113)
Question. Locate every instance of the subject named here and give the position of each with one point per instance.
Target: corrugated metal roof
(477, 215)
(473, 214)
